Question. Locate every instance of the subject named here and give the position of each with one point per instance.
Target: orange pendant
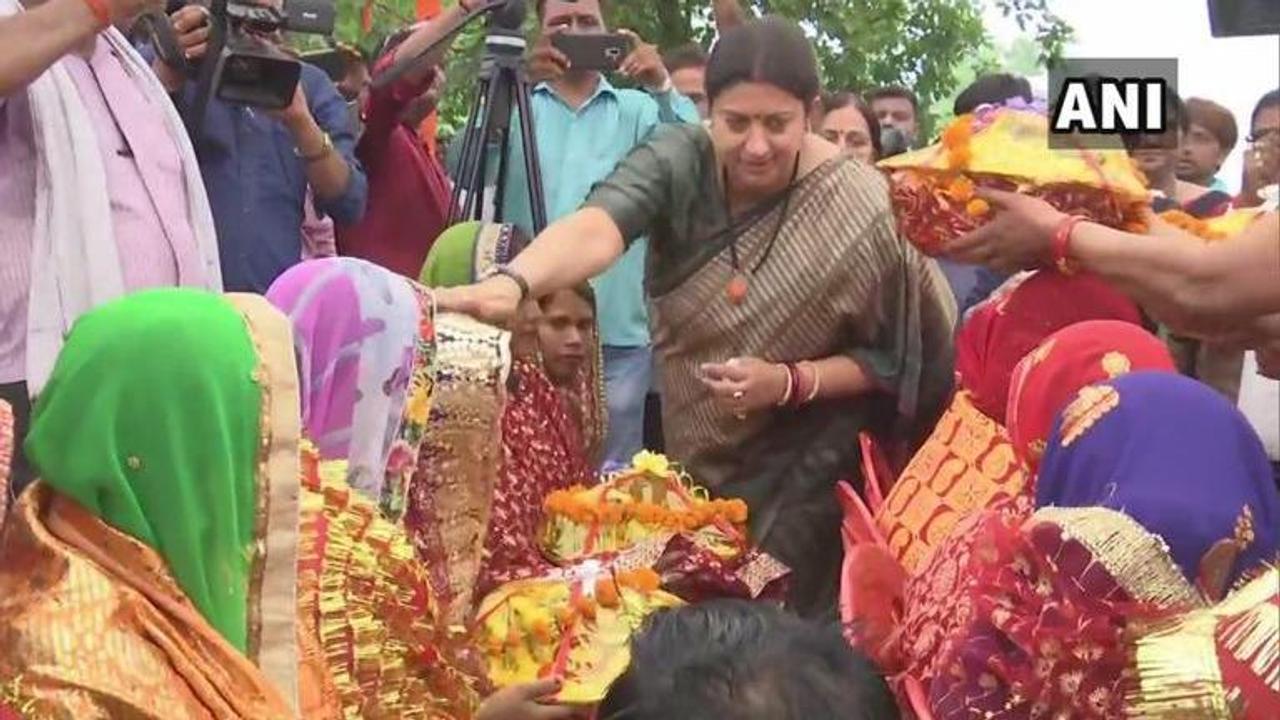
(736, 290)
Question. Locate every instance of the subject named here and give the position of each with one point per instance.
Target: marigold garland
(955, 139)
(611, 504)
(1194, 225)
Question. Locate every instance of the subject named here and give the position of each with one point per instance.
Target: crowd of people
(272, 431)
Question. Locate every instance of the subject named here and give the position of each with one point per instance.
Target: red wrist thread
(1060, 246)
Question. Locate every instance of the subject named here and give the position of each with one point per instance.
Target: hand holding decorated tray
(1007, 148)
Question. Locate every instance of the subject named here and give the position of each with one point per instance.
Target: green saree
(189, 495)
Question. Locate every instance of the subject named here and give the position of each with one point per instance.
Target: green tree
(930, 46)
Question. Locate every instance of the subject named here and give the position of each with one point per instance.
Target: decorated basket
(576, 626)
(1007, 148)
(651, 499)
(646, 538)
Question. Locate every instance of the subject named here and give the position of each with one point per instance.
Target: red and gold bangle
(797, 398)
(1060, 246)
(101, 11)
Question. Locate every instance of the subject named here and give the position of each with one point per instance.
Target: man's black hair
(738, 660)
(540, 6)
(1175, 113)
(771, 50)
(992, 89)
(1271, 99)
(684, 57)
(895, 91)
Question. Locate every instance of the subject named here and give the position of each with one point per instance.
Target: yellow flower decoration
(651, 463)
(420, 407)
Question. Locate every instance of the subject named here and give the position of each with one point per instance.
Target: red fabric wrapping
(1049, 377)
(1002, 330)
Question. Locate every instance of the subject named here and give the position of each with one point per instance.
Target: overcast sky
(1232, 71)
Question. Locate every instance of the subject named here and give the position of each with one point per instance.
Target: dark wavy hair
(770, 50)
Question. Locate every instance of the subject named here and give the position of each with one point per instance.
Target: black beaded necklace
(738, 286)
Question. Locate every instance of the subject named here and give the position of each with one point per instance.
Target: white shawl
(74, 263)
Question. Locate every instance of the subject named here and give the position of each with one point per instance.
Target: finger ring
(739, 394)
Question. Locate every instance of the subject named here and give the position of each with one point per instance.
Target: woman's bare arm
(840, 376)
(1198, 288)
(571, 251)
(1193, 286)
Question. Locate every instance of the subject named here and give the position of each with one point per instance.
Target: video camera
(246, 64)
(251, 68)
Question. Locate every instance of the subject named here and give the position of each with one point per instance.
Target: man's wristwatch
(508, 272)
(321, 154)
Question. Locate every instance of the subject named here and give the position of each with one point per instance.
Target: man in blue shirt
(584, 126)
(258, 165)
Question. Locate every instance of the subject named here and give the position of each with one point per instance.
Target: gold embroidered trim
(6, 456)
(1091, 405)
(273, 580)
(1179, 675)
(1137, 559)
(1041, 353)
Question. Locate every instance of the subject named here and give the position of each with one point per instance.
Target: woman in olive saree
(787, 315)
(184, 554)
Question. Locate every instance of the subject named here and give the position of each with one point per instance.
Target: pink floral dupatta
(365, 343)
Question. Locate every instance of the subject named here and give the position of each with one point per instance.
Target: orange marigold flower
(513, 638)
(737, 511)
(956, 140)
(977, 207)
(565, 616)
(646, 580)
(960, 189)
(541, 630)
(585, 607)
(607, 593)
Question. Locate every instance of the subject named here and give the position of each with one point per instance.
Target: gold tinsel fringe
(380, 629)
(1179, 674)
(1136, 558)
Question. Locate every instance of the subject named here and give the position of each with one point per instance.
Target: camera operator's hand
(297, 114)
(546, 62)
(644, 64)
(191, 26)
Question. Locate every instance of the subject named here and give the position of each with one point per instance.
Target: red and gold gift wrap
(1005, 148)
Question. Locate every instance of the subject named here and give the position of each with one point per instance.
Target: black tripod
(502, 86)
